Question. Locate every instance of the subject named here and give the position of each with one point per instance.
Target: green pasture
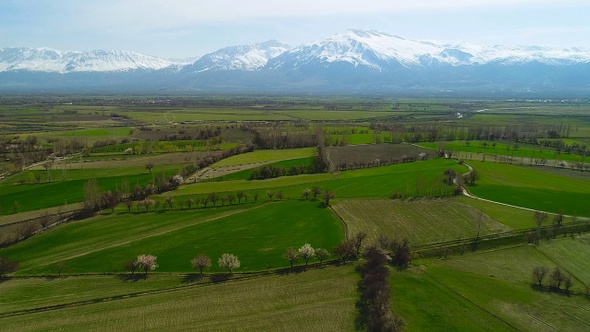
(245, 174)
(265, 156)
(34, 196)
(258, 236)
(314, 300)
(417, 178)
(519, 305)
(425, 305)
(512, 217)
(523, 186)
(572, 254)
(502, 149)
(422, 221)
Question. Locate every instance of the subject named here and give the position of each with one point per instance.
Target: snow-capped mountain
(242, 57)
(53, 61)
(378, 50)
(354, 61)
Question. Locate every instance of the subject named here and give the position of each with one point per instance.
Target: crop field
(422, 221)
(370, 153)
(243, 172)
(573, 255)
(527, 187)
(317, 299)
(258, 236)
(265, 156)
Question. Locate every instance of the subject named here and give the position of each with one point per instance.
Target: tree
(169, 200)
(328, 195)
(149, 167)
(450, 175)
(306, 193)
(131, 265)
(315, 191)
(280, 195)
(539, 273)
(306, 252)
(200, 262)
(228, 262)
(7, 266)
(189, 202)
(403, 254)
(321, 254)
(557, 277)
(345, 250)
(213, 197)
(255, 196)
(231, 198)
(291, 255)
(146, 262)
(240, 195)
(270, 194)
(61, 267)
(91, 196)
(358, 240)
(471, 177)
(539, 218)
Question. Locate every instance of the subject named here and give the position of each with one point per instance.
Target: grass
(514, 218)
(31, 197)
(519, 306)
(245, 174)
(426, 305)
(523, 186)
(265, 156)
(258, 236)
(573, 255)
(422, 221)
(505, 149)
(318, 299)
(416, 178)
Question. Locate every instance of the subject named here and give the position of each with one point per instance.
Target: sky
(181, 29)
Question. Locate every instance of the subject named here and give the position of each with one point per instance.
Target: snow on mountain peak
(49, 60)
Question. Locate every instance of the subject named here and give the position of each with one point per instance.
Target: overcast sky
(189, 28)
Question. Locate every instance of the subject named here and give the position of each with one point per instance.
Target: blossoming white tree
(228, 262)
(306, 252)
(146, 262)
(200, 262)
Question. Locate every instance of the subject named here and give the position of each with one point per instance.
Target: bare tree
(568, 282)
(291, 255)
(345, 250)
(228, 262)
(240, 195)
(306, 252)
(146, 262)
(255, 196)
(358, 240)
(169, 200)
(270, 194)
(306, 193)
(200, 262)
(149, 166)
(321, 254)
(131, 265)
(189, 202)
(539, 274)
(61, 267)
(328, 195)
(91, 196)
(315, 191)
(7, 266)
(556, 277)
(213, 197)
(280, 195)
(231, 198)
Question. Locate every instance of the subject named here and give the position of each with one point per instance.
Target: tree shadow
(220, 277)
(132, 277)
(192, 277)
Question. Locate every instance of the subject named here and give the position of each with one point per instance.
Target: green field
(265, 156)
(318, 299)
(245, 174)
(258, 236)
(523, 186)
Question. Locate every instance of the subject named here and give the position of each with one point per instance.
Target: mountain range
(353, 61)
